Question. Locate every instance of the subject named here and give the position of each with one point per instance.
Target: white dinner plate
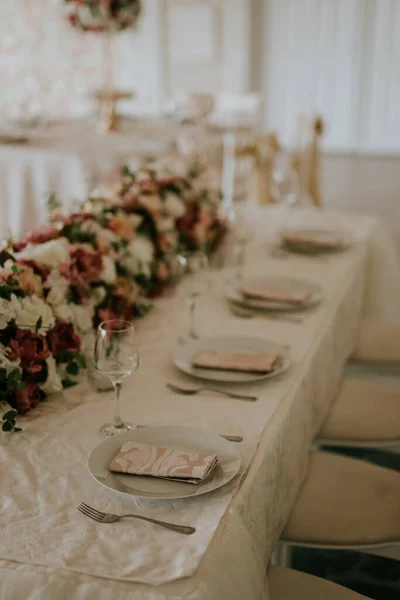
(185, 353)
(181, 438)
(293, 285)
(344, 236)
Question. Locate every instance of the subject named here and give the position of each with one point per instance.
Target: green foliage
(53, 203)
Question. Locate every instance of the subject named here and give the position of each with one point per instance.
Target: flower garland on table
(103, 15)
(103, 262)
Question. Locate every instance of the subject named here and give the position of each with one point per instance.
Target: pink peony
(42, 235)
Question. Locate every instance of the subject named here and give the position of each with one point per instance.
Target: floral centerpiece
(103, 15)
(108, 17)
(102, 262)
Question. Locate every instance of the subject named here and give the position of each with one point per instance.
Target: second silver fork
(102, 517)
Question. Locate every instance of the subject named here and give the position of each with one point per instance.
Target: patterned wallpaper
(48, 67)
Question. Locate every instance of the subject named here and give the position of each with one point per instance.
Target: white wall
(339, 58)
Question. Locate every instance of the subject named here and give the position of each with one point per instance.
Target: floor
(368, 184)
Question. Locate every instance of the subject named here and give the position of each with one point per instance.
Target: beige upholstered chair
(346, 503)
(365, 414)
(286, 584)
(378, 344)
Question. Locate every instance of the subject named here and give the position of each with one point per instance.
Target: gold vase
(107, 97)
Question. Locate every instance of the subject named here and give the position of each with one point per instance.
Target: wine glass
(242, 230)
(194, 283)
(285, 181)
(116, 356)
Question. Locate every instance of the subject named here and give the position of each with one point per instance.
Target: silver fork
(248, 313)
(193, 391)
(102, 517)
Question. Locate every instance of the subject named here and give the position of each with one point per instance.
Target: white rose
(98, 295)
(174, 206)
(139, 256)
(5, 362)
(105, 193)
(165, 224)
(7, 312)
(87, 343)
(52, 253)
(29, 310)
(109, 274)
(106, 237)
(63, 312)
(135, 220)
(53, 382)
(90, 226)
(58, 288)
(79, 315)
(151, 202)
(82, 316)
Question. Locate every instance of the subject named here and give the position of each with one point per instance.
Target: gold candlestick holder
(107, 101)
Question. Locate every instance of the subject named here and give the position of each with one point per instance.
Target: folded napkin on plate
(323, 240)
(263, 292)
(136, 458)
(237, 361)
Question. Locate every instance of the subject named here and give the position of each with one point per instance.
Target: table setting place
(153, 492)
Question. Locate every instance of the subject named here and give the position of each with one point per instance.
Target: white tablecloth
(67, 159)
(49, 550)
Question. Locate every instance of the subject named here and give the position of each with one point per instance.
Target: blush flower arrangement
(105, 261)
(103, 15)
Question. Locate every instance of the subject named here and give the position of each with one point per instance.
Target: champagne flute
(116, 356)
(194, 283)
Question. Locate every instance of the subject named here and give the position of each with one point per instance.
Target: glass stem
(240, 260)
(192, 326)
(117, 422)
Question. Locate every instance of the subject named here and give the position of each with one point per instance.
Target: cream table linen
(67, 159)
(51, 551)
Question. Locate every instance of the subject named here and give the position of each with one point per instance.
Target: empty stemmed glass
(116, 356)
(285, 181)
(242, 230)
(194, 283)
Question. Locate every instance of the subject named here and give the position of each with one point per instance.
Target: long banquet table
(49, 550)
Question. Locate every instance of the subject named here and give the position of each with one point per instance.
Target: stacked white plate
(294, 286)
(342, 239)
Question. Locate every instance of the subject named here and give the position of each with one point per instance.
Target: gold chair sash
(262, 152)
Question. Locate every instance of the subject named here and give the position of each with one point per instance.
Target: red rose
(27, 398)
(83, 271)
(106, 314)
(42, 235)
(30, 348)
(89, 264)
(63, 337)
